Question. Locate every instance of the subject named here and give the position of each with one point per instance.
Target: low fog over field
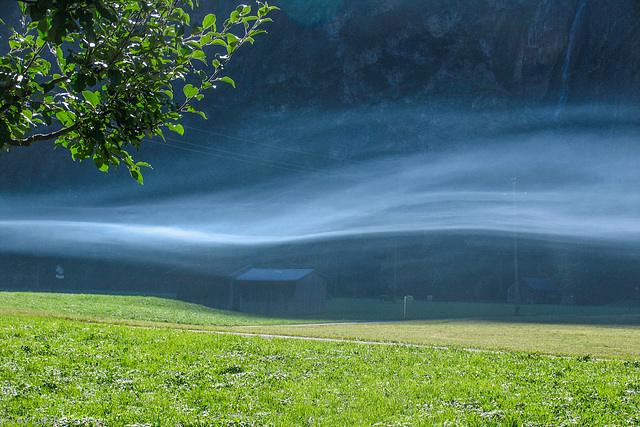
(573, 188)
(571, 183)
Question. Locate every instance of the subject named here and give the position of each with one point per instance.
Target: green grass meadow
(74, 360)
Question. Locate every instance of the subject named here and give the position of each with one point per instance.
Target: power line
(277, 147)
(263, 162)
(259, 159)
(221, 156)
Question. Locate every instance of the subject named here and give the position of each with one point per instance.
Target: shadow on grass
(364, 310)
(167, 310)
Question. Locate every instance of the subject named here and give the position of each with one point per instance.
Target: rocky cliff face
(471, 54)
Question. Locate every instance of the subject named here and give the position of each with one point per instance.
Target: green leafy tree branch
(97, 76)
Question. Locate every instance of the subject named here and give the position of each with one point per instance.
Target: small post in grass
(405, 307)
(407, 299)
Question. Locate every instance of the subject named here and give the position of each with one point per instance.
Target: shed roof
(539, 284)
(271, 275)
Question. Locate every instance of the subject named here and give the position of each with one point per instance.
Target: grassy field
(611, 342)
(63, 372)
(602, 332)
(80, 360)
(128, 308)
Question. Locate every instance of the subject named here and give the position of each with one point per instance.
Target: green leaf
(232, 38)
(47, 119)
(249, 19)
(75, 153)
(100, 164)
(190, 109)
(220, 42)
(5, 133)
(64, 117)
(105, 13)
(91, 97)
(115, 76)
(47, 87)
(226, 80)
(176, 128)
(209, 21)
(135, 174)
(60, 56)
(198, 54)
(254, 32)
(190, 91)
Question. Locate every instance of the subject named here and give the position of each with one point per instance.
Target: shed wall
(311, 294)
(306, 296)
(264, 297)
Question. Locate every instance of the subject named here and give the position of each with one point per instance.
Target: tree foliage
(97, 76)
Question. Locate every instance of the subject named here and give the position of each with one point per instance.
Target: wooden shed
(282, 292)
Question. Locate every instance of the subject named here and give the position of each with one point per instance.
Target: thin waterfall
(565, 72)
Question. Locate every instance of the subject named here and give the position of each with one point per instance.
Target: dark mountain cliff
(473, 54)
(470, 54)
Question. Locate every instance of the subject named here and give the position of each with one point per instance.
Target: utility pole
(395, 271)
(516, 282)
